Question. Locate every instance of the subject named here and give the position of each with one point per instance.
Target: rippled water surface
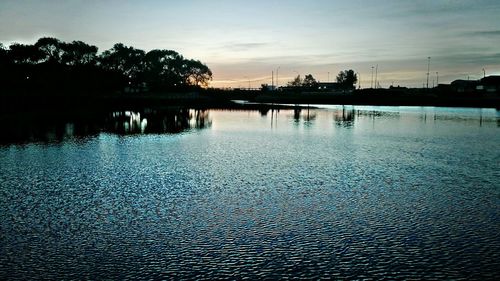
(346, 192)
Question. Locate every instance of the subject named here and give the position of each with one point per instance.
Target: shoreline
(225, 99)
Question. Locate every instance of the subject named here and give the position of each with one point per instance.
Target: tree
(126, 60)
(24, 54)
(3, 52)
(79, 53)
(163, 69)
(50, 49)
(310, 82)
(347, 79)
(197, 74)
(51, 65)
(296, 82)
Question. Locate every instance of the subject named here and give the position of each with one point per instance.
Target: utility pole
(359, 80)
(272, 80)
(484, 73)
(437, 78)
(371, 83)
(277, 80)
(376, 72)
(428, 69)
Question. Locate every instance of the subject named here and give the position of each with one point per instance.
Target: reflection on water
(57, 128)
(156, 122)
(344, 118)
(334, 193)
(53, 127)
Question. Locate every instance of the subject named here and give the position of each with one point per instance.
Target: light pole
(484, 73)
(376, 74)
(272, 80)
(428, 69)
(437, 78)
(371, 83)
(277, 79)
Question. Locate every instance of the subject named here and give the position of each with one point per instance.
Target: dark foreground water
(339, 192)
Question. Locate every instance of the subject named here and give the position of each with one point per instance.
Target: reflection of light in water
(133, 123)
(144, 124)
(69, 129)
(198, 118)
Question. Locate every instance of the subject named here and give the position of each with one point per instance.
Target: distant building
(464, 86)
(490, 84)
(397, 88)
(332, 87)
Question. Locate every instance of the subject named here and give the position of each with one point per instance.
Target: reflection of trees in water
(306, 115)
(344, 118)
(296, 114)
(263, 111)
(156, 121)
(51, 128)
(46, 128)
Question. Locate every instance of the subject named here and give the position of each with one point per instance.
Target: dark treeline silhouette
(308, 83)
(345, 82)
(52, 66)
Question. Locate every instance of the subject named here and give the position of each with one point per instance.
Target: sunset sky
(244, 41)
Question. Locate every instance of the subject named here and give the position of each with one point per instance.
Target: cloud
(242, 47)
(487, 33)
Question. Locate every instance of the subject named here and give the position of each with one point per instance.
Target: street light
(277, 79)
(428, 69)
(371, 83)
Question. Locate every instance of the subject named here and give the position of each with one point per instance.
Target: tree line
(53, 65)
(345, 80)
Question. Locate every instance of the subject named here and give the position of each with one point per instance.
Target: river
(330, 192)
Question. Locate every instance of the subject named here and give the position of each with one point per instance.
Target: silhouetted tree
(24, 54)
(296, 82)
(79, 53)
(347, 79)
(51, 65)
(51, 49)
(163, 69)
(126, 60)
(197, 73)
(4, 64)
(310, 82)
(3, 53)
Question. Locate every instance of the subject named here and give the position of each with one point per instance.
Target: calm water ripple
(338, 192)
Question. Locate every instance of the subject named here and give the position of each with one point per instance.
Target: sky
(245, 42)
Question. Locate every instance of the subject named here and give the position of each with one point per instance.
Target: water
(335, 192)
